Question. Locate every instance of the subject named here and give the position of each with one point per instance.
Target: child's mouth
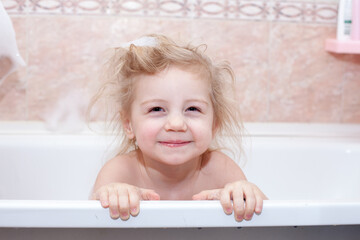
(174, 144)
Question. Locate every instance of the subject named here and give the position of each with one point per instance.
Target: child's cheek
(147, 134)
(203, 135)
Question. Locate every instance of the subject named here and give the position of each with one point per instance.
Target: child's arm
(246, 197)
(114, 192)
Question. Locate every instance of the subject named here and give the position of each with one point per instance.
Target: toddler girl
(172, 103)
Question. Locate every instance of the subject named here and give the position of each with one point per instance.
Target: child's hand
(123, 199)
(247, 199)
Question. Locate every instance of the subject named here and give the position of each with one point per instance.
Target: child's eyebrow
(152, 100)
(199, 100)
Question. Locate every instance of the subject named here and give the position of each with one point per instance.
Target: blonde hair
(126, 63)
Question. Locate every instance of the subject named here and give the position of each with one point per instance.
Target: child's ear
(128, 129)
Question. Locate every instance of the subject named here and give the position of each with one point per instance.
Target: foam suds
(68, 115)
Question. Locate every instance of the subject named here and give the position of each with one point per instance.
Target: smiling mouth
(174, 144)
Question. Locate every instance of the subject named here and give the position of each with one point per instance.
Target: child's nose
(176, 122)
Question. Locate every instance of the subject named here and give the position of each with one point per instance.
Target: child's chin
(175, 160)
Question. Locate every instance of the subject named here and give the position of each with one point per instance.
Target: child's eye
(193, 109)
(156, 109)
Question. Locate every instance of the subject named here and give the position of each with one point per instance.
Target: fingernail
(248, 217)
(114, 215)
(133, 210)
(229, 210)
(239, 218)
(124, 216)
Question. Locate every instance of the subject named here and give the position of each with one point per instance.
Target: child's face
(171, 116)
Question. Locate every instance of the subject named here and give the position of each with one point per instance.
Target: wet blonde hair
(126, 63)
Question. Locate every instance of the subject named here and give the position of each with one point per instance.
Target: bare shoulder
(219, 160)
(122, 168)
(122, 161)
(221, 166)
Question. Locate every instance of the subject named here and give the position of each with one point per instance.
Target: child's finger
(123, 198)
(238, 204)
(148, 194)
(134, 201)
(225, 200)
(104, 198)
(200, 196)
(249, 204)
(113, 204)
(259, 201)
(207, 195)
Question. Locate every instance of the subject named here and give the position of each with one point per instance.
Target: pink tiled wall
(275, 47)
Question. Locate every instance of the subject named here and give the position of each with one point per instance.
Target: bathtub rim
(174, 214)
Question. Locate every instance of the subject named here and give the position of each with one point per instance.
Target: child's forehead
(171, 83)
(177, 71)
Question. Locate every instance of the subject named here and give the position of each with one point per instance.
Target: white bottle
(10, 57)
(344, 20)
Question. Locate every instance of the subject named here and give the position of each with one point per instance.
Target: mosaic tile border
(257, 10)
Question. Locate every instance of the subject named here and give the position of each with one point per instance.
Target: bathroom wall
(276, 48)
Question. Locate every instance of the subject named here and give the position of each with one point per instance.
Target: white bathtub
(311, 173)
